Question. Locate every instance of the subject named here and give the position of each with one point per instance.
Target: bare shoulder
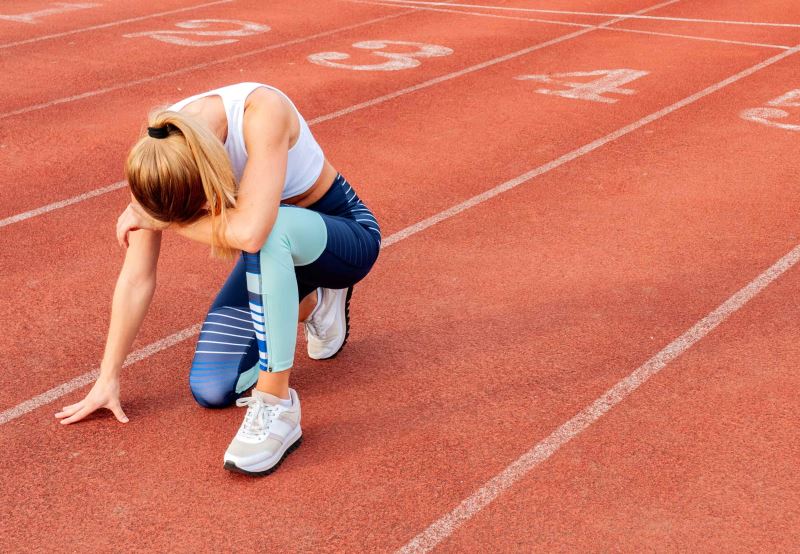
(267, 112)
(267, 102)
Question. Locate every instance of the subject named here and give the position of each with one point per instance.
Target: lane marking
(199, 27)
(396, 61)
(609, 81)
(573, 24)
(410, 3)
(61, 204)
(445, 526)
(469, 507)
(767, 116)
(497, 16)
(704, 39)
(110, 24)
(89, 377)
(476, 67)
(436, 529)
(58, 8)
(345, 111)
(195, 67)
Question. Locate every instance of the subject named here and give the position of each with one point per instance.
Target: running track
(581, 334)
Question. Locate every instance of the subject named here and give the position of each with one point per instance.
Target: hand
(104, 394)
(133, 218)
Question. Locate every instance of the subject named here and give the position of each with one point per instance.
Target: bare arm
(132, 295)
(266, 133)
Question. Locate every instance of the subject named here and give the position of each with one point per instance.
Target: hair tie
(158, 132)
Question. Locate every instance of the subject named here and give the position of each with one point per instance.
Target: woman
(237, 168)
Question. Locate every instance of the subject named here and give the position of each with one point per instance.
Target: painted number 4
(767, 116)
(606, 81)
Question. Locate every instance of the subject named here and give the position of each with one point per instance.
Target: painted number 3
(395, 60)
(200, 28)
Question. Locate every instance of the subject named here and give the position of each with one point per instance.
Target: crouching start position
(237, 168)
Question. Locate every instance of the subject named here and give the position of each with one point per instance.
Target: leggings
(252, 324)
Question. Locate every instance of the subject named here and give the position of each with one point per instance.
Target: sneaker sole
(230, 466)
(346, 323)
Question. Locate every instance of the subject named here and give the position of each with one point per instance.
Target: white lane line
(445, 526)
(339, 113)
(583, 150)
(57, 9)
(189, 69)
(110, 24)
(479, 66)
(410, 3)
(443, 10)
(436, 528)
(572, 24)
(705, 39)
(89, 377)
(61, 204)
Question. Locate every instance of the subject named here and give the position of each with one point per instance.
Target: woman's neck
(211, 111)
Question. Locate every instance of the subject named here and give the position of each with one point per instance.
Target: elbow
(250, 232)
(253, 240)
(250, 247)
(252, 244)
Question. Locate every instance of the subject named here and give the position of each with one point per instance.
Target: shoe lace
(258, 417)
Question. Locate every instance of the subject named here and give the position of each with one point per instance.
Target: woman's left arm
(267, 126)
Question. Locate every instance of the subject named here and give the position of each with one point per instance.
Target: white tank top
(306, 159)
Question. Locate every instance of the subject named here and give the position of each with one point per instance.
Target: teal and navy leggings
(252, 324)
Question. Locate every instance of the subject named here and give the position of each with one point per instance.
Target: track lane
(18, 33)
(328, 524)
(317, 91)
(765, 22)
(704, 454)
(387, 181)
(703, 154)
(766, 12)
(64, 68)
(495, 14)
(412, 434)
(72, 19)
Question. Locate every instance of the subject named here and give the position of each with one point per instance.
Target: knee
(211, 395)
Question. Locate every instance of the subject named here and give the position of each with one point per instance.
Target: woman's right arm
(132, 295)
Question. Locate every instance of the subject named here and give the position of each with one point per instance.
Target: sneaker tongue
(267, 398)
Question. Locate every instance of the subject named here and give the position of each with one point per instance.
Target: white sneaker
(269, 432)
(328, 326)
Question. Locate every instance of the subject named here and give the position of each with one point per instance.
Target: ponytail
(180, 171)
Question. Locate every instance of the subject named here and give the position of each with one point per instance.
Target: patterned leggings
(252, 324)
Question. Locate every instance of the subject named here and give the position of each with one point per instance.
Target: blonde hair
(183, 176)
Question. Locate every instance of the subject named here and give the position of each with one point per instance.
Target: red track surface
(474, 339)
